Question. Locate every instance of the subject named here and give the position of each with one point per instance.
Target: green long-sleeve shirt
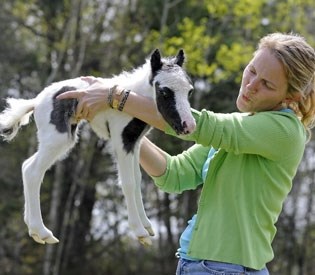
(246, 185)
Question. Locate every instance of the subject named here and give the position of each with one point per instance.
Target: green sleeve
(269, 134)
(183, 171)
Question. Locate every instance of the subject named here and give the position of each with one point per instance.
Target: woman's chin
(242, 107)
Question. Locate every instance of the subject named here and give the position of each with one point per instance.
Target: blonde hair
(298, 60)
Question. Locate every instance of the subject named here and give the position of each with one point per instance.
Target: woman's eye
(268, 86)
(251, 69)
(265, 83)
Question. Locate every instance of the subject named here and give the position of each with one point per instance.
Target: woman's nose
(252, 85)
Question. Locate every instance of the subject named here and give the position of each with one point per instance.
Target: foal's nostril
(189, 127)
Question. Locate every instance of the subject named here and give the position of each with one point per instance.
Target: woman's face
(264, 84)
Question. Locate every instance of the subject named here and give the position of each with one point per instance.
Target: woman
(246, 161)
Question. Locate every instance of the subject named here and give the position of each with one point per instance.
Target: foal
(163, 79)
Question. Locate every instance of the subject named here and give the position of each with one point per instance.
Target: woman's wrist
(128, 101)
(117, 97)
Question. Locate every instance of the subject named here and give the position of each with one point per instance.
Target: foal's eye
(165, 92)
(190, 92)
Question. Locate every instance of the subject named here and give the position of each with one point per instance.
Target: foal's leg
(126, 164)
(33, 171)
(138, 194)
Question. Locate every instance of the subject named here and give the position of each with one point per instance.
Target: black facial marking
(132, 132)
(166, 103)
(62, 111)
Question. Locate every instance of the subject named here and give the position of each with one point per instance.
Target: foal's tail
(16, 114)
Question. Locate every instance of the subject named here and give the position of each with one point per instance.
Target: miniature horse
(162, 79)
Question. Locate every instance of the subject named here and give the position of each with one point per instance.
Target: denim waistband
(215, 264)
(240, 268)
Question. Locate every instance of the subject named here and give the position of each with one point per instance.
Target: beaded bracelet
(117, 99)
(110, 96)
(117, 95)
(123, 100)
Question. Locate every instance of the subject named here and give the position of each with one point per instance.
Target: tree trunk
(53, 216)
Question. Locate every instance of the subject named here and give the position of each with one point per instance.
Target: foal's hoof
(48, 240)
(146, 241)
(150, 231)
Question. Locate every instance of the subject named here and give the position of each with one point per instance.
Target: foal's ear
(180, 58)
(156, 63)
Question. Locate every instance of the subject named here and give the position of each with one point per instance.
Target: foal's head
(172, 90)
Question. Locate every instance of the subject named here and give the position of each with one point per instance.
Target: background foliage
(43, 41)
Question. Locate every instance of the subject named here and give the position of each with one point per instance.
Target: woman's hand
(92, 100)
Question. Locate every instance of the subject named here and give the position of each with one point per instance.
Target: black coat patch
(62, 111)
(132, 132)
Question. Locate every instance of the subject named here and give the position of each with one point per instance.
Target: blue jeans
(186, 267)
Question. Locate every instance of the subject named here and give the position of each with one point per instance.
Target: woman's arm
(94, 99)
(152, 158)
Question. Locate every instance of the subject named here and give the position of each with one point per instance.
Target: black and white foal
(163, 79)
